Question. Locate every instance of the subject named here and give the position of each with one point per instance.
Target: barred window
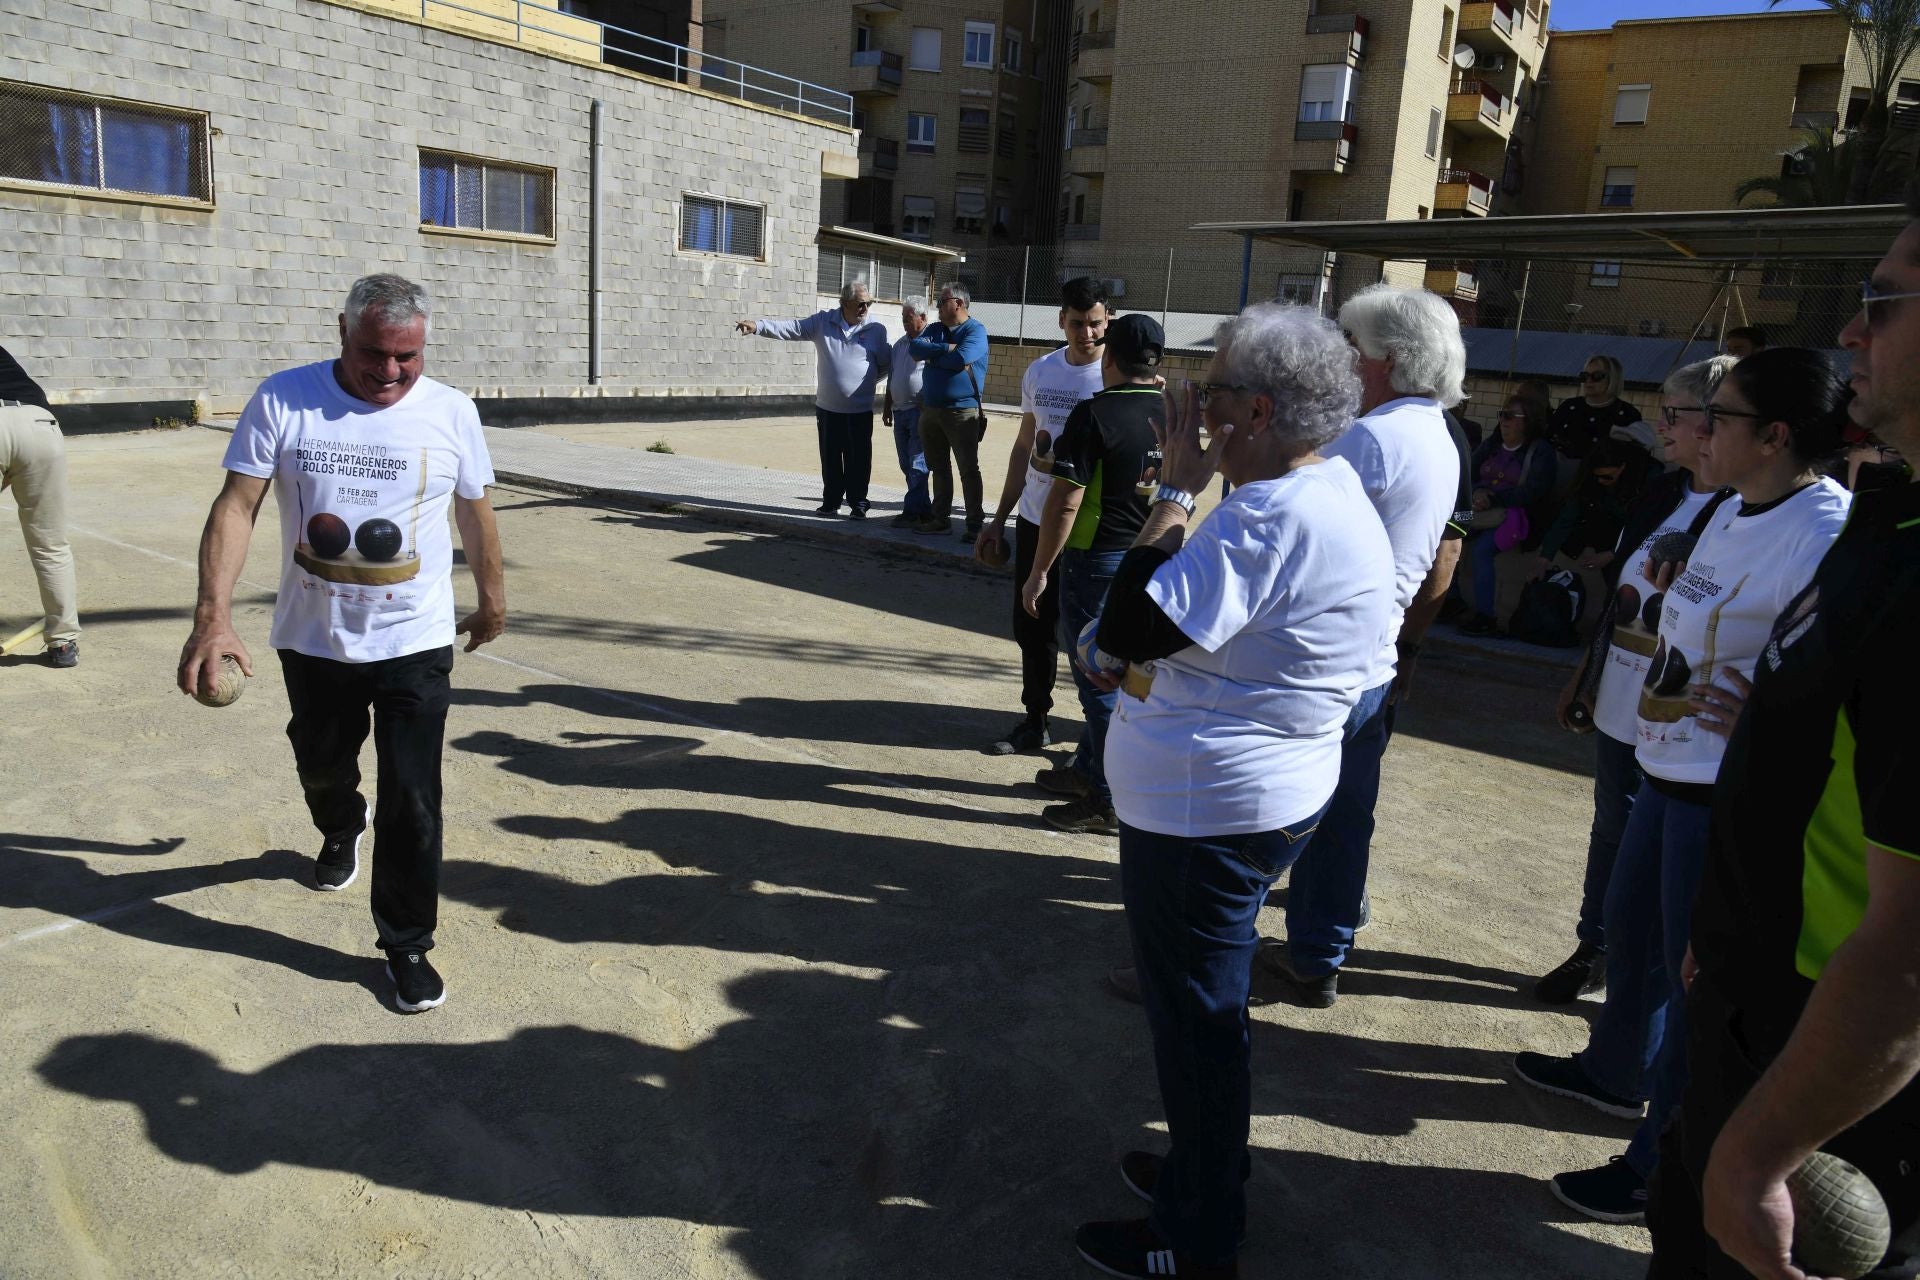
(67, 140)
(481, 195)
(709, 224)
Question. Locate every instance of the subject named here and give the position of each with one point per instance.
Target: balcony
(873, 73)
(878, 155)
(1093, 56)
(1335, 37)
(1451, 282)
(1491, 27)
(1087, 153)
(1080, 231)
(1478, 109)
(1329, 145)
(1462, 193)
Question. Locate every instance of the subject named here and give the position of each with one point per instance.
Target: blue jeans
(913, 463)
(1482, 550)
(1084, 578)
(1638, 1044)
(1323, 897)
(1192, 904)
(1616, 776)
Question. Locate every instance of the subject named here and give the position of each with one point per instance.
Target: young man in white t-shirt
(365, 455)
(1052, 386)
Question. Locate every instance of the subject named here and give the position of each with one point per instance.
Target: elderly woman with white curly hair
(1245, 646)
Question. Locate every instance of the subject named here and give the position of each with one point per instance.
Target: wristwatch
(1180, 497)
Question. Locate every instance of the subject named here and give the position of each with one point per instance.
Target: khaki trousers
(33, 467)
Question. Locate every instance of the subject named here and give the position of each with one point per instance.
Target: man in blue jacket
(953, 415)
(852, 351)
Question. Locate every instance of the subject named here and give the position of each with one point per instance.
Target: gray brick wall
(319, 112)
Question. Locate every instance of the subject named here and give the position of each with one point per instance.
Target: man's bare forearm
(1426, 603)
(480, 539)
(1016, 479)
(223, 549)
(1056, 524)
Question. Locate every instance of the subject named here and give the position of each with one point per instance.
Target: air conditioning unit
(1116, 288)
(1649, 328)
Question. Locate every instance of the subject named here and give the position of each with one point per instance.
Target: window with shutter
(969, 210)
(1320, 96)
(827, 279)
(709, 224)
(460, 192)
(974, 123)
(1616, 186)
(1433, 132)
(1630, 103)
(917, 217)
(924, 53)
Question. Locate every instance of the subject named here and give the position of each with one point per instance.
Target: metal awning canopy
(889, 242)
(1731, 235)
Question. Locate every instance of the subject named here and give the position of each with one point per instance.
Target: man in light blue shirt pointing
(853, 352)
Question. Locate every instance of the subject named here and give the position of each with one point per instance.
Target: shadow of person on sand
(40, 874)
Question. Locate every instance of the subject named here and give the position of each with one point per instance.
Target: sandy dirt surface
(756, 967)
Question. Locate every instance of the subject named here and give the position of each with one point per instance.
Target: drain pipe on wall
(593, 251)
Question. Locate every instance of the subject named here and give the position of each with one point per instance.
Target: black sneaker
(1023, 738)
(1366, 911)
(904, 521)
(1273, 960)
(857, 513)
(1124, 982)
(1140, 1170)
(827, 509)
(416, 986)
(63, 653)
(1083, 817)
(933, 524)
(1611, 1193)
(1478, 624)
(338, 863)
(1582, 973)
(1564, 1077)
(1134, 1248)
(1063, 780)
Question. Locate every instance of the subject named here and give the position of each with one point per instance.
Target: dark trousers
(408, 699)
(846, 457)
(1324, 893)
(1616, 777)
(951, 438)
(1038, 638)
(1084, 579)
(1191, 906)
(1885, 1146)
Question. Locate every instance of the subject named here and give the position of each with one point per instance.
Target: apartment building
(186, 195)
(957, 106)
(1183, 111)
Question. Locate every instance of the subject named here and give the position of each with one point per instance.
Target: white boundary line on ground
(627, 700)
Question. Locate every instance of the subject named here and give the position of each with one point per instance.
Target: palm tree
(1824, 177)
(1889, 34)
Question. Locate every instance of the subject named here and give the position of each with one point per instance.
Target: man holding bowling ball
(366, 455)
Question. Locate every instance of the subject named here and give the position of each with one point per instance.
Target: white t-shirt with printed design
(364, 493)
(1616, 702)
(1049, 391)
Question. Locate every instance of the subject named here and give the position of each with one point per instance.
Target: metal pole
(594, 183)
(1705, 311)
(1166, 294)
(1519, 315)
(1246, 270)
(1726, 305)
(1026, 273)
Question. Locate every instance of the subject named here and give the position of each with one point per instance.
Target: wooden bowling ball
(227, 686)
(328, 535)
(378, 539)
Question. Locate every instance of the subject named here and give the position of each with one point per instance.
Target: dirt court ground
(756, 967)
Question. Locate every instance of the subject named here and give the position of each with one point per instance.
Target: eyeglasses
(1208, 390)
(1512, 415)
(1870, 294)
(1713, 413)
(1590, 376)
(861, 304)
(1671, 415)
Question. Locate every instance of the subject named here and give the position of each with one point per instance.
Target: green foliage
(660, 446)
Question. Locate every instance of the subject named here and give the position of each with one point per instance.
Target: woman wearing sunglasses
(1597, 412)
(1773, 421)
(1603, 697)
(1512, 472)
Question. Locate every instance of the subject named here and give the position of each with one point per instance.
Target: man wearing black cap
(1092, 516)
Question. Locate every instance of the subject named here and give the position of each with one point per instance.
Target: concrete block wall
(318, 113)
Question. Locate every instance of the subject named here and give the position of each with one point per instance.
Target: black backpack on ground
(1549, 611)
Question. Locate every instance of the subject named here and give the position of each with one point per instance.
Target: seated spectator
(1598, 412)
(1590, 520)
(1469, 428)
(1248, 644)
(1512, 472)
(1746, 340)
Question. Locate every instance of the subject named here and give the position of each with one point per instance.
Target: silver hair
(394, 300)
(1695, 383)
(961, 294)
(853, 288)
(1297, 358)
(1419, 330)
(1616, 372)
(916, 305)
